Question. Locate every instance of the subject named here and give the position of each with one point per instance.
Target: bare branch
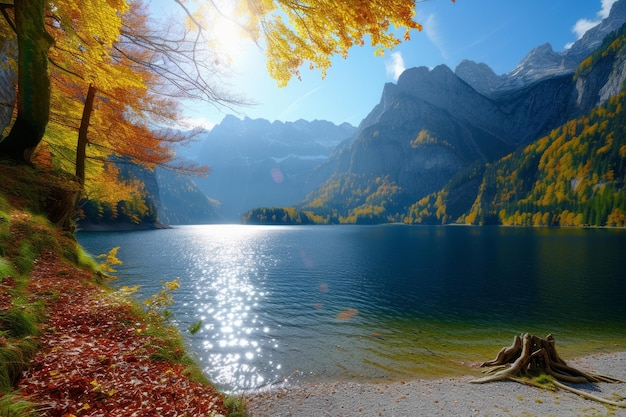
(3, 9)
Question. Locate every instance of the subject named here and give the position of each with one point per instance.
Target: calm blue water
(279, 304)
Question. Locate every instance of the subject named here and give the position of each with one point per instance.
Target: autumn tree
(293, 33)
(82, 63)
(114, 90)
(92, 45)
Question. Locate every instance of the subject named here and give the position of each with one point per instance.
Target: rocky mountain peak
(540, 59)
(542, 62)
(594, 36)
(478, 75)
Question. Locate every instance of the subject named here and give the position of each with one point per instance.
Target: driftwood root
(530, 355)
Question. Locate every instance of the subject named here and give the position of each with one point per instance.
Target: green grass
(24, 261)
(167, 339)
(4, 224)
(19, 322)
(543, 379)
(172, 348)
(13, 405)
(18, 325)
(15, 355)
(195, 328)
(236, 406)
(25, 234)
(6, 268)
(83, 259)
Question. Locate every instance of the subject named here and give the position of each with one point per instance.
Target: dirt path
(97, 359)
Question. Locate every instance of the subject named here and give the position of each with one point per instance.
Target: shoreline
(452, 396)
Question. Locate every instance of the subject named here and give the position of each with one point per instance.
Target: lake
(281, 304)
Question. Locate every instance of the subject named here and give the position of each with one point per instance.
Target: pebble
(443, 397)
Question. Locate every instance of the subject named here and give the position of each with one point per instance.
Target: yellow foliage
(172, 285)
(607, 146)
(471, 217)
(424, 137)
(310, 32)
(96, 50)
(110, 261)
(616, 219)
(315, 218)
(157, 303)
(84, 38)
(108, 189)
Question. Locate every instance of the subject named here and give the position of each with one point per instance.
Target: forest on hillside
(573, 177)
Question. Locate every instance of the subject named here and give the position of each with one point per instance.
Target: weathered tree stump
(530, 356)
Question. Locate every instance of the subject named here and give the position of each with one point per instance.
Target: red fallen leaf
(96, 341)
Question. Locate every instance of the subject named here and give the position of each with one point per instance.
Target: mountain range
(255, 162)
(436, 126)
(427, 146)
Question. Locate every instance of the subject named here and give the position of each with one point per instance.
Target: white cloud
(395, 65)
(583, 25)
(432, 33)
(606, 8)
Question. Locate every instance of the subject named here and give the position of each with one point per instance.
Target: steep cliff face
(479, 75)
(419, 145)
(602, 75)
(180, 201)
(461, 126)
(536, 109)
(594, 37)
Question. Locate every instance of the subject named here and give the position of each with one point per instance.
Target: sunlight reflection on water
(227, 277)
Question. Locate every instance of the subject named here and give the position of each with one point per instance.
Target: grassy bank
(68, 344)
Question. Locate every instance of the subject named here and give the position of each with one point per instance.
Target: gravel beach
(444, 397)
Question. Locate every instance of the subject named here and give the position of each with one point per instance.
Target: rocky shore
(445, 397)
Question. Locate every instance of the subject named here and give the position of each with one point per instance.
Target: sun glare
(228, 37)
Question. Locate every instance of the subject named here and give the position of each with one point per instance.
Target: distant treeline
(276, 215)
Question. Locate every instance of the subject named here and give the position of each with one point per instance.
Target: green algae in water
(406, 349)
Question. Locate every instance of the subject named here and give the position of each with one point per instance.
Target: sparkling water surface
(283, 303)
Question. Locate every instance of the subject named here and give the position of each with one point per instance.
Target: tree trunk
(33, 85)
(81, 147)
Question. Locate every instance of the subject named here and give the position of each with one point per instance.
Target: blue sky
(497, 32)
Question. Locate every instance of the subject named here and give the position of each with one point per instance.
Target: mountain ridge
(256, 162)
(433, 124)
(542, 61)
